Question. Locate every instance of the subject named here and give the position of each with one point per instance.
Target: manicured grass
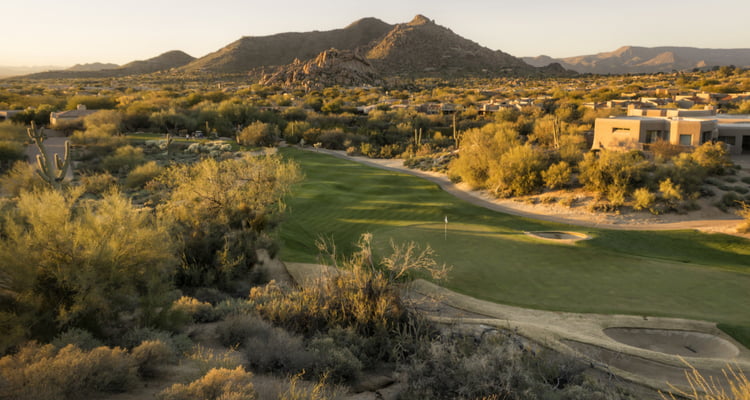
(676, 273)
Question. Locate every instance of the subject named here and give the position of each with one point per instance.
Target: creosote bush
(124, 159)
(217, 384)
(142, 174)
(44, 372)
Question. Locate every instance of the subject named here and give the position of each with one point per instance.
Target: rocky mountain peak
(420, 19)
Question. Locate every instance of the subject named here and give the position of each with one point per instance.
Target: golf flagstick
(446, 227)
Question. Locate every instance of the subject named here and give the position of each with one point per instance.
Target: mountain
(248, 53)
(631, 59)
(7, 71)
(97, 66)
(162, 62)
(331, 67)
(421, 47)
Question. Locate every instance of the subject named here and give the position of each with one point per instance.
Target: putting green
(676, 273)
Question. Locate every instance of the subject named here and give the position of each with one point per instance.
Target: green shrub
(217, 384)
(142, 174)
(81, 338)
(178, 343)
(237, 328)
(124, 159)
(152, 356)
(331, 360)
(43, 372)
(208, 359)
(278, 351)
(21, 176)
(258, 134)
(100, 139)
(98, 183)
(518, 171)
(713, 157)
(458, 368)
(644, 199)
(728, 201)
(746, 180)
(10, 152)
(557, 176)
(197, 310)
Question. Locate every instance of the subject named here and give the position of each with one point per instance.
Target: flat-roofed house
(72, 116)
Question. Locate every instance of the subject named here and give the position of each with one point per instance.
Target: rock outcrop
(330, 68)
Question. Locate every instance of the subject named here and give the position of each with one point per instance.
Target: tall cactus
(51, 169)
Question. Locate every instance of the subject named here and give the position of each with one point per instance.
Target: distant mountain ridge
(162, 62)
(97, 66)
(633, 59)
(423, 47)
(363, 51)
(252, 52)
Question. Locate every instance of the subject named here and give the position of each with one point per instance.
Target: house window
(728, 140)
(686, 140)
(655, 135)
(620, 130)
(706, 136)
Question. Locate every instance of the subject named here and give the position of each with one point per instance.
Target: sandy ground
(707, 219)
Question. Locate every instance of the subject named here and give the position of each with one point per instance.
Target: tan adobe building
(687, 128)
(70, 116)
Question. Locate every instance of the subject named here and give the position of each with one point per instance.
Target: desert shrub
(616, 196)
(713, 157)
(277, 351)
(81, 338)
(644, 199)
(99, 138)
(98, 183)
(734, 386)
(178, 343)
(80, 263)
(606, 170)
(13, 132)
(10, 152)
(518, 172)
(557, 176)
(301, 390)
(458, 369)
(197, 310)
(293, 132)
(217, 384)
(258, 134)
(744, 212)
(222, 211)
(124, 159)
(208, 359)
(338, 363)
(479, 150)
(740, 189)
(728, 201)
(237, 328)
(746, 180)
(142, 174)
(664, 151)
(151, 356)
(21, 176)
(43, 372)
(234, 306)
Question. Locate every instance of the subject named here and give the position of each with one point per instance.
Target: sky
(63, 33)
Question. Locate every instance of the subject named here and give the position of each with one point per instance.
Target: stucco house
(687, 128)
(71, 116)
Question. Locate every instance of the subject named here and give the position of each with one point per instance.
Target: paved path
(726, 225)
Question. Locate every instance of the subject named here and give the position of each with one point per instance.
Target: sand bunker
(677, 342)
(561, 236)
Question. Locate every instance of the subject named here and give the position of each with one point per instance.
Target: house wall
(624, 133)
(693, 128)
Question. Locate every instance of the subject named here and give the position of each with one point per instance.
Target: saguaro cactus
(51, 169)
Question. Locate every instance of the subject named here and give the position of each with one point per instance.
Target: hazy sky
(67, 32)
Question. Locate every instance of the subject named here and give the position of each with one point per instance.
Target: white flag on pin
(446, 219)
